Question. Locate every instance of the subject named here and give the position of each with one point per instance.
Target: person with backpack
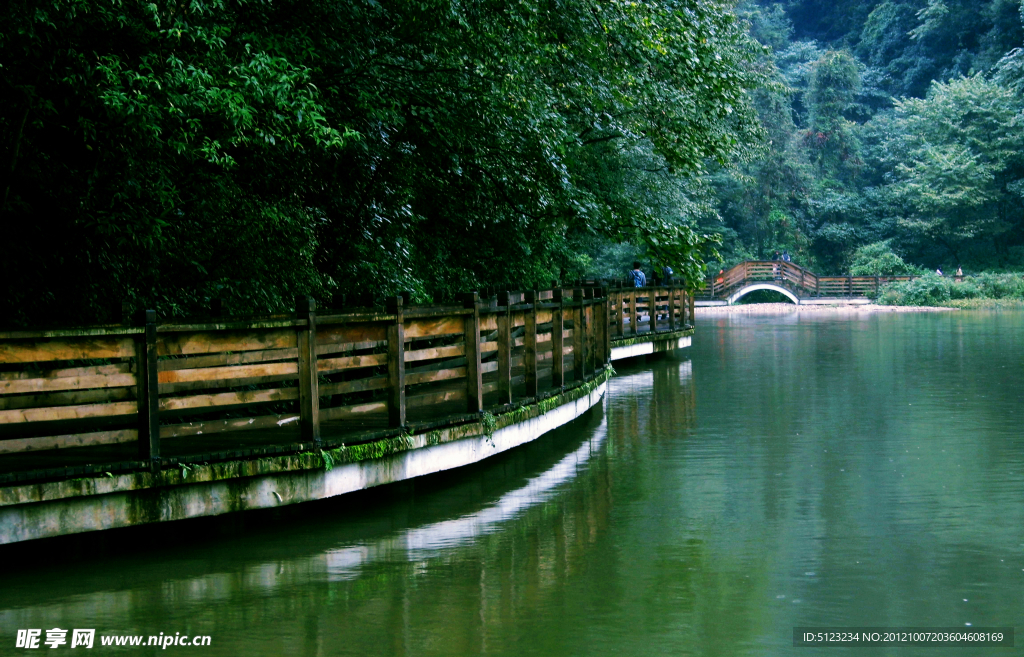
(637, 277)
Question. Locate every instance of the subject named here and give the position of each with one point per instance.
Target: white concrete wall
(124, 508)
(642, 348)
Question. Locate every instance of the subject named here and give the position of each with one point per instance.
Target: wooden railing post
(557, 341)
(618, 311)
(474, 373)
(667, 293)
(693, 308)
(594, 319)
(309, 394)
(652, 309)
(504, 349)
(606, 331)
(148, 392)
(671, 308)
(579, 342)
(530, 344)
(621, 314)
(396, 363)
(592, 326)
(683, 298)
(637, 302)
(634, 316)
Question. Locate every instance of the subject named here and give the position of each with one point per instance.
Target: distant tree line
(895, 138)
(169, 153)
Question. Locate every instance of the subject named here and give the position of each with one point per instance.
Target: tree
(878, 259)
(158, 154)
(834, 85)
(885, 43)
(955, 156)
(258, 151)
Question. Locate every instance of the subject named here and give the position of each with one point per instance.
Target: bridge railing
(795, 278)
(122, 398)
(856, 286)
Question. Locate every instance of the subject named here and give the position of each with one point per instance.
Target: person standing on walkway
(637, 277)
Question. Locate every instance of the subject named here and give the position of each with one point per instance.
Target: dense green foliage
(933, 290)
(896, 138)
(169, 153)
(878, 259)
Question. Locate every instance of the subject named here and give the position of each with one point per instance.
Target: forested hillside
(895, 138)
(169, 153)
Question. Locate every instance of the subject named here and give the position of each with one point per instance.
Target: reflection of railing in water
(427, 541)
(793, 277)
(430, 540)
(637, 400)
(270, 567)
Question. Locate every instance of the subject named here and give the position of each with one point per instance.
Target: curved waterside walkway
(381, 397)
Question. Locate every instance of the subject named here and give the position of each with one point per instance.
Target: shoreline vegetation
(985, 290)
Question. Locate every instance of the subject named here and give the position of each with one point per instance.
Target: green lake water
(822, 469)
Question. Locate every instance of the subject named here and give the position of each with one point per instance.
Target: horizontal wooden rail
(305, 374)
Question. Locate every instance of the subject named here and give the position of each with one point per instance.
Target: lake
(812, 469)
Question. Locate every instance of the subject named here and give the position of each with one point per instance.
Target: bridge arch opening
(769, 292)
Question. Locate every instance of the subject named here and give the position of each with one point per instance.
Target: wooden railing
(637, 310)
(136, 394)
(793, 277)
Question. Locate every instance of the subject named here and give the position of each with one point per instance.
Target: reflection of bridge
(793, 281)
